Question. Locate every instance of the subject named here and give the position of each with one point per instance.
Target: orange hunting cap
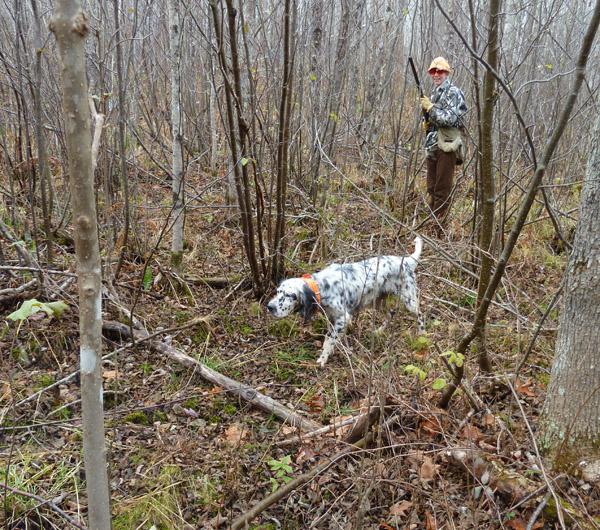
(439, 63)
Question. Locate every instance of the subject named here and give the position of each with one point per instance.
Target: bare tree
(70, 28)
(488, 182)
(175, 31)
(121, 136)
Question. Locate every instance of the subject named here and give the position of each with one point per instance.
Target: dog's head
(293, 295)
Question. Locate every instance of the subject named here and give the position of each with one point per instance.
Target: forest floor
(184, 453)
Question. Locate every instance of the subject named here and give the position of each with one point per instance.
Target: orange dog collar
(310, 281)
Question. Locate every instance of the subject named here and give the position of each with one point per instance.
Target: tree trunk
(283, 141)
(70, 28)
(122, 153)
(43, 167)
(177, 132)
(570, 421)
(488, 183)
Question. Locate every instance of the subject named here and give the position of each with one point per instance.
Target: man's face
(438, 76)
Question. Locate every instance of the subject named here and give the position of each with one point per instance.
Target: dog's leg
(410, 299)
(337, 329)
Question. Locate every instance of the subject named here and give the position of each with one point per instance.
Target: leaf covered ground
(184, 453)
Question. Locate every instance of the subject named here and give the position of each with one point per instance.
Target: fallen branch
(302, 437)
(236, 388)
(10, 294)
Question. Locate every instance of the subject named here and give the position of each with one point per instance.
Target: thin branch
(43, 502)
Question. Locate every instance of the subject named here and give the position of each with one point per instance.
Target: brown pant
(440, 174)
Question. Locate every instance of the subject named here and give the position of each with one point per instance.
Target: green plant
(282, 470)
(147, 368)
(419, 344)
(159, 508)
(415, 371)
(33, 306)
(454, 358)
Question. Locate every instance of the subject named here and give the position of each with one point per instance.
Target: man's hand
(426, 104)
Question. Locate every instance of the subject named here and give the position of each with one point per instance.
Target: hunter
(444, 141)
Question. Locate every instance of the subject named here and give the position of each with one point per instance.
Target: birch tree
(70, 28)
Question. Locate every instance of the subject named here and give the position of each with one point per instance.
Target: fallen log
(236, 388)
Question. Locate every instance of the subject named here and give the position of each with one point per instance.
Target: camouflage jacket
(449, 107)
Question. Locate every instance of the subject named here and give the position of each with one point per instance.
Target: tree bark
(570, 421)
(70, 28)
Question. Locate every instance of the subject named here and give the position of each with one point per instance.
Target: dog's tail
(414, 257)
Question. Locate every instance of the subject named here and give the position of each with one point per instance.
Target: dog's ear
(308, 303)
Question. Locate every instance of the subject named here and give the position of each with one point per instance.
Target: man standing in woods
(444, 143)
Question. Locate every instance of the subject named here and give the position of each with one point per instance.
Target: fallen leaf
(524, 388)
(384, 526)
(235, 434)
(5, 393)
(109, 374)
(428, 469)
(430, 523)
(489, 420)
(316, 403)
(516, 524)
(304, 453)
(471, 432)
(401, 508)
(431, 426)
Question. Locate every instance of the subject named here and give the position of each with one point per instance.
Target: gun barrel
(416, 76)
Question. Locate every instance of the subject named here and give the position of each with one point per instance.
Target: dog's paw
(321, 361)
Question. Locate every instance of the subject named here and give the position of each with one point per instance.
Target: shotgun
(421, 94)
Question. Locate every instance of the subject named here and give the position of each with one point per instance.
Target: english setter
(342, 290)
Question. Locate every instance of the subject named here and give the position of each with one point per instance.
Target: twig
(36, 269)
(538, 510)
(43, 501)
(8, 294)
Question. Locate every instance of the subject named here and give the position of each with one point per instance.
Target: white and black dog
(342, 290)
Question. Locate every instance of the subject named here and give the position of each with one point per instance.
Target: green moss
(182, 316)
(246, 330)
(256, 309)
(138, 417)
(284, 327)
(230, 409)
(200, 335)
(159, 415)
(192, 403)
